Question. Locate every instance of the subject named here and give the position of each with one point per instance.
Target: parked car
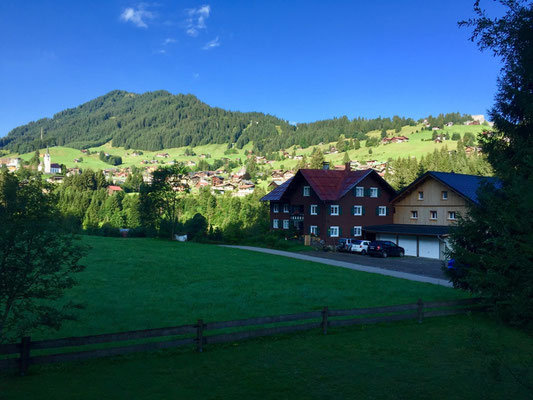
(385, 248)
(344, 244)
(360, 246)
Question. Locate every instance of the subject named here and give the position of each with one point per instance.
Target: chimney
(325, 165)
(348, 167)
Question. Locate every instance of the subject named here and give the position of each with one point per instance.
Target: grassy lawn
(444, 358)
(147, 283)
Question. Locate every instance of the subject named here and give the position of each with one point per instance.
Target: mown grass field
(417, 146)
(147, 283)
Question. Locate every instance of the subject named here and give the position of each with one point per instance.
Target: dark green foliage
(372, 141)
(110, 159)
(37, 259)
(469, 139)
(158, 120)
(403, 171)
(492, 246)
(317, 159)
(456, 136)
(441, 119)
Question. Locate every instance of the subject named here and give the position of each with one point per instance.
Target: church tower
(47, 161)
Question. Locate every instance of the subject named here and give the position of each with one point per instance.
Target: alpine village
(155, 246)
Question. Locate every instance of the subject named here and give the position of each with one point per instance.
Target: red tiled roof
(114, 188)
(327, 184)
(332, 184)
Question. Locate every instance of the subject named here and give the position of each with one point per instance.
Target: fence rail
(197, 333)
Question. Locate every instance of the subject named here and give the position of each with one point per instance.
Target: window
(307, 191)
(285, 224)
(373, 192)
(313, 229)
(414, 214)
(359, 191)
(420, 195)
(452, 215)
(334, 231)
(382, 211)
(433, 215)
(357, 230)
(275, 208)
(334, 210)
(357, 210)
(314, 209)
(285, 208)
(275, 223)
(444, 195)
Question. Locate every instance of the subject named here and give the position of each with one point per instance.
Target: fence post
(420, 310)
(200, 336)
(325, 314)
(24, 361)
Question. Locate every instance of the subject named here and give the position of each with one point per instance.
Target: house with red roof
(331, 204)
(111, 189)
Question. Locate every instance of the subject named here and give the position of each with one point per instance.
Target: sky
(299, 60)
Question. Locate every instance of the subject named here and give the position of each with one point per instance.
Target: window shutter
(310, 208)
(340, 210)
(329, 208)
(367, 192)
(340, 231)
(355, 192)
(329, 232)
(362, 210)
(386, 210)
(379, 192)
(377, 210)
(317, 231)
(318, 209)
(353, 231)
(353, 210)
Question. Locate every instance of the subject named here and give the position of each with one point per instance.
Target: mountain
(158, 120)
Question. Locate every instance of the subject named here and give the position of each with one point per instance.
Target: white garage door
(409, 244)
(381, 236)
(428, 247)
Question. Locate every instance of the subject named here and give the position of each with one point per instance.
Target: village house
(331, 204)
(425, 210)
(111, 189)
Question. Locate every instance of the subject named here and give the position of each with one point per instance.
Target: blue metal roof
(465, 185)
(277, 192)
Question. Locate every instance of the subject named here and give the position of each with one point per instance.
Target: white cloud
(211, 44)
(168, 41)
(196, 19)
(137, 17)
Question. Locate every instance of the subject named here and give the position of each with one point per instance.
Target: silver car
(360, 246)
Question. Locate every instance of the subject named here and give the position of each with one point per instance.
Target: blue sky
(299, 60)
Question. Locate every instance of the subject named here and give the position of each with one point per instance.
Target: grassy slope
(415, 147)
(142, 283)
(147, 283)
(444, 358)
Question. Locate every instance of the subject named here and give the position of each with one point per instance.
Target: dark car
(385, 248)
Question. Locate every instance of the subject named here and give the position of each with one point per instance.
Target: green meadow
(419, 144)
(147, 283)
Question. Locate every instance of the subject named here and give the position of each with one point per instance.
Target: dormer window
(307, 191)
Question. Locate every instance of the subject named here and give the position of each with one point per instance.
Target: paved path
(343, 264)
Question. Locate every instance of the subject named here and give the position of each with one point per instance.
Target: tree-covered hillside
(159, 120)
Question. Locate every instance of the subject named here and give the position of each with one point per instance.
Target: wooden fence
(198, 334)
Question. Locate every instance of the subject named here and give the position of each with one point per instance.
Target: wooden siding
(346, 220)
(432, 202)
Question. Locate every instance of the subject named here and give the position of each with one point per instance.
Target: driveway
(412, 265)
(411, 268)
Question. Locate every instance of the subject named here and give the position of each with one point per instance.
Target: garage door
(409, 244)
(428, 247)
(381, 236)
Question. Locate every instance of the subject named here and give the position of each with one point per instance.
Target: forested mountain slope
(159, 120)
